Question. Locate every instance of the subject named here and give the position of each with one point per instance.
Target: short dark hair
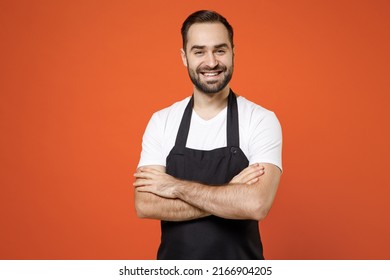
(204, 16)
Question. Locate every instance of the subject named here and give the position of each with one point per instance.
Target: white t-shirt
(260, 133)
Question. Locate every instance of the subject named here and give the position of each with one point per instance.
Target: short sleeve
(152, 148)
(265, 143)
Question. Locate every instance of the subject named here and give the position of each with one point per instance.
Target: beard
(213, 86)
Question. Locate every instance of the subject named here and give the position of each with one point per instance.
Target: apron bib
(210, 237)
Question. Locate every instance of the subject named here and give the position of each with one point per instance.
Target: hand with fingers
(155, 181)
(164, 185)
(249, 175)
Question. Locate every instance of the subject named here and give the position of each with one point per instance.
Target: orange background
(79, 81)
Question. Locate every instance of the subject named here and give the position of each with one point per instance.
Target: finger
(253, 175)
(252, 181)
(249, 173)
(143, 189)
(138, 175)
(247, 170)
(149, 170)
(141, 183)
(149, 189)
(252, 168)
(143, 174)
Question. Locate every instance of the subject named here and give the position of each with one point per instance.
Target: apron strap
(182, 134)
(232, 130)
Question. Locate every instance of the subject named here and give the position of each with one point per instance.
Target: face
(209, 57)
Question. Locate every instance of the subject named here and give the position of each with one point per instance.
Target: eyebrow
(198, 47)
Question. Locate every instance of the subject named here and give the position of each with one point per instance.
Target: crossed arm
(248, 196)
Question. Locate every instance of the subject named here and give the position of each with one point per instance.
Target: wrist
(180, 189)
(177, 190)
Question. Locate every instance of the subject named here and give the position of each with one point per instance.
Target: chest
(207, 134)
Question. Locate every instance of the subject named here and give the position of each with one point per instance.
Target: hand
(249, 175)
(156, 182)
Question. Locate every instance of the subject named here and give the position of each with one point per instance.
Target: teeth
(210, 74)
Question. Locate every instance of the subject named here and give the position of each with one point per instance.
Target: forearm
(233, 201)
(151, 206)
(236, 200)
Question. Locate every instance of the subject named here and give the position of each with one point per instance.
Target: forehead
(207, 34)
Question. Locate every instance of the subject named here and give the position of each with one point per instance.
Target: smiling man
(211, 163)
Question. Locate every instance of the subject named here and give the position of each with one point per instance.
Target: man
(194, 173)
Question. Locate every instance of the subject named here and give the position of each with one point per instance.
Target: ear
(183, 57)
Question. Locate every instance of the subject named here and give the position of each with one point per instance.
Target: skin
(209, 50)
(149, 204)
(208, 57)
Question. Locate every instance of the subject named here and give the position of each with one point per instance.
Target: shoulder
(165, 122)
(160, 134)
(172, 110)
(252, 113)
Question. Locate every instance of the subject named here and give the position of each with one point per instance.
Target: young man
(194, 173)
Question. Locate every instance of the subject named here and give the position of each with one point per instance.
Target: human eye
(221, 51)
(198, 53)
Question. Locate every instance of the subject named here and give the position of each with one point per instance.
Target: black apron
(210, 237)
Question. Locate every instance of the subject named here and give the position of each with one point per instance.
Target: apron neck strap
(232, 129)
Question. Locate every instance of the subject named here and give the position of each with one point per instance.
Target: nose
(211, 60)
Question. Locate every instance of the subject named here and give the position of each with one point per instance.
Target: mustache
(221, 68)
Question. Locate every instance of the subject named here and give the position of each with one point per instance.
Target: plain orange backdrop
(79, 81)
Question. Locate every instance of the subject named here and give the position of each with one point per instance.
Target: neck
(211, 100)
(208, 105)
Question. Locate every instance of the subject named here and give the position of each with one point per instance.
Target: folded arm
(248, 196)
(234, 201)
(152, 206)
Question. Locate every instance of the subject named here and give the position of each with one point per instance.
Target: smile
(211, 74)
